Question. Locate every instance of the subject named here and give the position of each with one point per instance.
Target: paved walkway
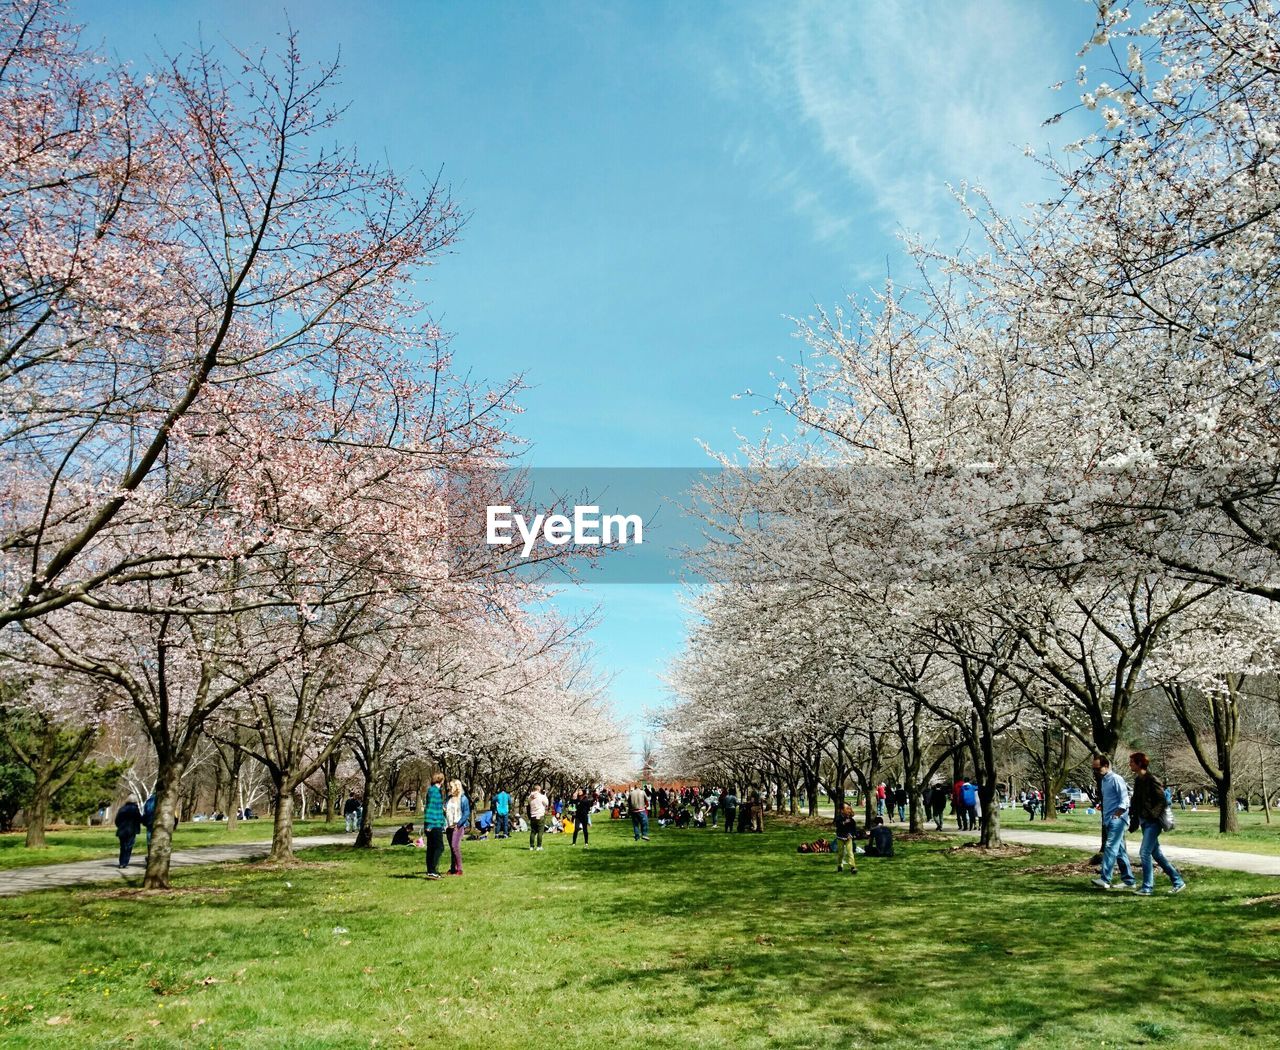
(1254, 863)
(83, 872)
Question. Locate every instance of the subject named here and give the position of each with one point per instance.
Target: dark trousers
(581, 825)
(535, 832)
(455, 849)
(126, 849)
(729, 814)
(435, 849)
(501, 825)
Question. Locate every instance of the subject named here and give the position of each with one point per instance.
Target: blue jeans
(501, 825)
(1151, 851)
(1115, 853)
(640, 824)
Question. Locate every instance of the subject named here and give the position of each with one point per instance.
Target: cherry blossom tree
(168, 245)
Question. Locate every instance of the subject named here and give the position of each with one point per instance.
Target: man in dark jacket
(938, 796)
(880, 842)
(128, 824)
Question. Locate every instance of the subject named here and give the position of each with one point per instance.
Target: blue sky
(654, 189)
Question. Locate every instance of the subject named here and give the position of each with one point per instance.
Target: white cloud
(882, 106)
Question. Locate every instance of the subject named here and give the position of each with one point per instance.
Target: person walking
(938, 804)
(434, 824)
(1115, 821)
(881, 792)
(638, 804)
(457, 817)
(900, 800)
(538, 803)
(351, 813)
(502, 814)
(846, 832)
(969, 802)
(128, 824)
(1147, 811)
(581, 816)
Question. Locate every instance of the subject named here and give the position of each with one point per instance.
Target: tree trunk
(811, 788)
(233, 799)
(988, 792)
(282, 825)
(168, 787)
(192, 798)
(1262, 772)
(217, 788)
(364, 838)
(37, 815)
(1228, 819)
(331, 787)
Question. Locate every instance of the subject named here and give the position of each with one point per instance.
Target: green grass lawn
(68, 844)
(697, 939)
(1192, 830)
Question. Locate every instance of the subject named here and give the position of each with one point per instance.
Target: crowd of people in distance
(689, 807)
(448, 818)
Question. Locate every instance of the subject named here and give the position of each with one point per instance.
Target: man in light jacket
(1115, 821)
(638, 803)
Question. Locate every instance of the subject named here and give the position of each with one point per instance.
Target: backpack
(969, 794)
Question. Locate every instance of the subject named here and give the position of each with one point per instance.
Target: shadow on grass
(930, 922)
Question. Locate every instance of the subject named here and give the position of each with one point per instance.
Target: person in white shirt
(537, 811)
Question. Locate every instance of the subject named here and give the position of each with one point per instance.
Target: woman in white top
(538, 803)
(454, 827)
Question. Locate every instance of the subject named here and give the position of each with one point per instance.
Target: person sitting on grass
(403, 835)
(880, 841)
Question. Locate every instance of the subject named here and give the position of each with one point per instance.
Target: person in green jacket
(433, 825)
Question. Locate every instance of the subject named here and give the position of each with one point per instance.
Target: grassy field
(697, 939)
(68, 844)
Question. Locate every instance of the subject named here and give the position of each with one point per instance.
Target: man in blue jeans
(1115, 819)
(502, 814)
(638, 803)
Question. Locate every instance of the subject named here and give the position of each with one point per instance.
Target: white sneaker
(539, 849)
(1178, 888)
(1100, 883)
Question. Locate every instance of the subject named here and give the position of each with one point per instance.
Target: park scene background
(965, 321)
